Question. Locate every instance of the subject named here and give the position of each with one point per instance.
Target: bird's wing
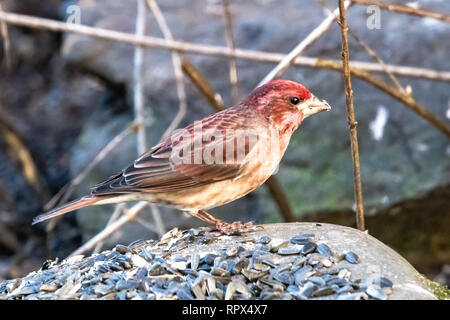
(173, 165)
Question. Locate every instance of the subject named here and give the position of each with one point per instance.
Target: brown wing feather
(155, 170)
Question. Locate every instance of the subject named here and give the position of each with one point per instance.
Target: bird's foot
(236, 228)
(223, 227)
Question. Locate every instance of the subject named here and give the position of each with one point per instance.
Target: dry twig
(277, 193)
(176, 61)
(6, 43)
(214, 99)
(351, 120)
(405, 9)
(139, 97)
(378, 59)
(138, 78)
(230, 44)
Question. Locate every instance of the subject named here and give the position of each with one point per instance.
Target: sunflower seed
(126, 284)
(231, 289)
(156, 269)
(253, 275)
(195, 260)
(48, 288)
(302, 239)
(344, 289)
(308, 289)
(264, 240)
(217, 293)
(344, 273)
(273, 284)
(376, 292)
(276, 244)
(302, 274)
(352, 257)
(122, 249)
(263, 247)
(232, 252)
(220, 272)
(139, 261)
(324, 250)
(103, 289)
(179, 265)
(325, 291)
(269, 294)
(337, 281)
(27, 289)
(185, 294)
(308, 247)
(261, 267)
(285, 277)
(317, 281)
(383, 282)
(288, 250)
(209, 258)
(196, 288)
(298, 263)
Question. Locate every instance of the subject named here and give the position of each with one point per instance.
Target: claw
(236, 228)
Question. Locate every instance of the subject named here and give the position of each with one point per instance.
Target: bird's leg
(225, 228)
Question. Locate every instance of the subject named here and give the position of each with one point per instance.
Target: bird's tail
(74, 205)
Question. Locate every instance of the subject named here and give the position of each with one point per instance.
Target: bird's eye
(294, 100)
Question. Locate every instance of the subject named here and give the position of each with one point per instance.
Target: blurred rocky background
(65, 96)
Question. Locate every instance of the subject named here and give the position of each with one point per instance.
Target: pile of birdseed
(257, 268)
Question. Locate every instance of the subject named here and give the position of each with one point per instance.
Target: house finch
(213, 161)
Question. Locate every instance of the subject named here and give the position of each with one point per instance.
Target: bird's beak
(313, 105)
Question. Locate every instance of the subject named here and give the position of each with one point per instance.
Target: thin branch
(176, 61)
(214, 98)
(280, 198)
(40, 23)
(290, 57)
(139, 96)
(405, 9)
(138, 78)
(407, 71)
(351, 120)
(160, 226)
(405, 98)
(113, 227)
(378, 59)
(216, 102)
(230, 43)
(6, 43)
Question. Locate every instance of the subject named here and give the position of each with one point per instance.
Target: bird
(212, 161)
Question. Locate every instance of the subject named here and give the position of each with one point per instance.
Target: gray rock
(375, 258)
(380, 274)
